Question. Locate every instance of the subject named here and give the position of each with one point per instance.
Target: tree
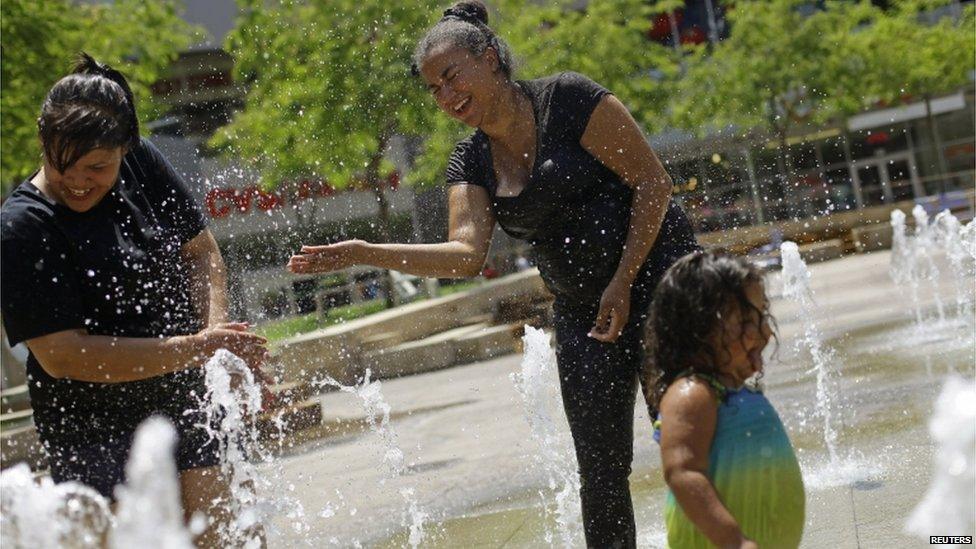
(784, 63)
(328, 87)
(39, 41)
(788, 62)
(919, 48)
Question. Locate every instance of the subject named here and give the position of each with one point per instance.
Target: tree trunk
(936, 145)
(785, 165)
(375, 182)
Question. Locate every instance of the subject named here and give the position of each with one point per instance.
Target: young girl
(733, 476)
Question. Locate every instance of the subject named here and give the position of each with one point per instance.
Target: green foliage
(278, 330)
(606, 41)
(39, 41)
(780, 63)
(905, 55)
(328, 85)
(329, 81)
(785, 63)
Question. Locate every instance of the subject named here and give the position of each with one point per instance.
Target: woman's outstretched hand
(323, 259)
(614, 312)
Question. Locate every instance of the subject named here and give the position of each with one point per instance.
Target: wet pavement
(469, 451)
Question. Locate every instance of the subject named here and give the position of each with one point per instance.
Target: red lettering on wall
(269, 201)
(222, 202)
(216, 202)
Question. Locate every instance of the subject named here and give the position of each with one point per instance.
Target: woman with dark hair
(560, 163)
(113, 281)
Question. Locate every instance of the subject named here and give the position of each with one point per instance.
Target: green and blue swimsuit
(754, 470)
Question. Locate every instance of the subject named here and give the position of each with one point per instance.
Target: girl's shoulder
(691, 391)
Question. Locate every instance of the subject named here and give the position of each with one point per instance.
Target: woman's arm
(689, 413)
(75, 354)
(470, 227)
(208, 277)
(613, 137)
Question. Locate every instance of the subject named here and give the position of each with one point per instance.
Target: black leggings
(599, 384)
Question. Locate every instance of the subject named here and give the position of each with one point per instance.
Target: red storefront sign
(222, 202)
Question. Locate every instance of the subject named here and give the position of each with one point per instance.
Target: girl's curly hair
(686, 310)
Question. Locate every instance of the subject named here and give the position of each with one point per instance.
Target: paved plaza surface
(469, 450)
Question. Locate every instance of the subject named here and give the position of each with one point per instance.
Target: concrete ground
(469, 453)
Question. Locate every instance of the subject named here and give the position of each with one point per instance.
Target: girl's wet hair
(91, 108)
(686, 311)
(464, 25)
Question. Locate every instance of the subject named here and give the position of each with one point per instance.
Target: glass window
(840, 189)
(832, 150)
(804, 156)
(766, 162)
(961, 157)
(956, 125)
(878, 142)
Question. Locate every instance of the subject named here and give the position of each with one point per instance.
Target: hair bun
(471, 11)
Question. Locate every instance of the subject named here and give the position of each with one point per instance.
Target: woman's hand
(248, 346)
(234, 337)
(614, 312)
(324, 259)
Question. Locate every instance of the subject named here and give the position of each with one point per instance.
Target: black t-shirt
(573, 211)
(113, 270)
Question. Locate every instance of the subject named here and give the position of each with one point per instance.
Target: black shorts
(98, 458)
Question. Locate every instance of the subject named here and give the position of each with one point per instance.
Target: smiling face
(742, 335)
(466, 86)
(86, 182)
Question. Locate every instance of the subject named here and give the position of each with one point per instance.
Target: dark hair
(91, 108)
(465, 25)
(686, 311)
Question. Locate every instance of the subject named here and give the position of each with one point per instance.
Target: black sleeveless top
(573, 211)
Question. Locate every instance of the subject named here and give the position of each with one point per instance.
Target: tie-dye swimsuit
(754, 470)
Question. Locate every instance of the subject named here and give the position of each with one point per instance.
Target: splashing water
(378, 418)
(950, 503)
(40, 513)
(538, 384)
(953, 237)
(151, 483)
(43, 514)
(924, 244)
(232, 403)
(913, 264)
(796, 286)
(903, 270)
(416, 517)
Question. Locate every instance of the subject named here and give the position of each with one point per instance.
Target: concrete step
(870, 238)
(449, 348)
(489, 342)
(423, 355)
(14, 399)
(291, 392)
(338, 350)
(16, 419)
(825, 250)
(289, 419)
(21, 444)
